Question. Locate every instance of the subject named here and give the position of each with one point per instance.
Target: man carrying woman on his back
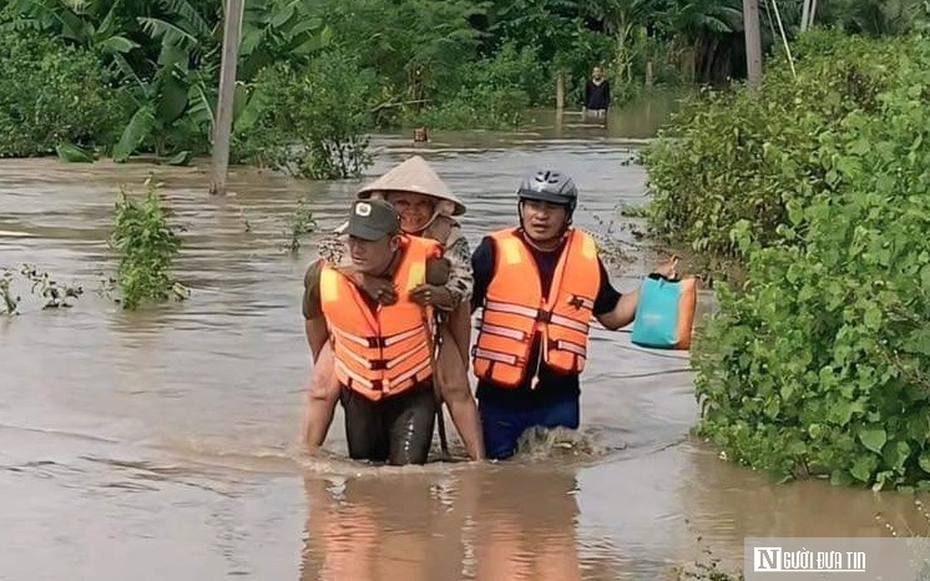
(426, 209)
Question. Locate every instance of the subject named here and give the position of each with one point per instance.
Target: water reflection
(491, 523)
(638, 119)
(727, 503)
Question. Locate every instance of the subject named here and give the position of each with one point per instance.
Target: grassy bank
(816, 366)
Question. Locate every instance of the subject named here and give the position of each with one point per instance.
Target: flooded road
(162, 443)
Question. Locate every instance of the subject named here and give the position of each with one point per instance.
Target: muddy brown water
(162, 443)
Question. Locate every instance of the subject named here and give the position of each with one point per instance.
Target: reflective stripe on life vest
(384, 351)
(515, 310)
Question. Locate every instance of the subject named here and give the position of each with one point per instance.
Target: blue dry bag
(665, 313)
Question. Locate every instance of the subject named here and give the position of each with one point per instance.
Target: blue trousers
(502, 427)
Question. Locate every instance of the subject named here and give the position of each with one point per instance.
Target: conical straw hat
(416, 176)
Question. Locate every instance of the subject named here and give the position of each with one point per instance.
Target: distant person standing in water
(597, 95)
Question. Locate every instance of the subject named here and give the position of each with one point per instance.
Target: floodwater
(161, 444)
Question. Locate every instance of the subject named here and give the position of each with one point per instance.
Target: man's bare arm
(314, 322)
(317, 335)
(625, 310)
(622, 314)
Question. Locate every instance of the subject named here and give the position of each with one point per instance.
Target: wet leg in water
(409, 419)
(366, 427)
(452, 371)
(397, 429)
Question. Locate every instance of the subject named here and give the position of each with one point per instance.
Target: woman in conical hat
(427, 208)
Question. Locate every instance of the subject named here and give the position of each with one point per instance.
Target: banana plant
(626, 21)
(279, 29)
(80, 21)
(272, 31)
(174, 113)
(875, 17)
(178, 102)
(174, 107)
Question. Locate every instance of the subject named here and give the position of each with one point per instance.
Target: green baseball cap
(372, 220)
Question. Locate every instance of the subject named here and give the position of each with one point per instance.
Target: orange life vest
(515, 310)
(384, 351)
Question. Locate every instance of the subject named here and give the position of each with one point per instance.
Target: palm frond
(168, 32)
(194, 22)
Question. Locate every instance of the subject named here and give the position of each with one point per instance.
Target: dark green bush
(311, 123)
(820, 364)
(729, 156)
(52, 95)
(492, 93)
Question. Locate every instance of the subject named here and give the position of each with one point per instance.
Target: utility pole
(753, 43)
(222, 124)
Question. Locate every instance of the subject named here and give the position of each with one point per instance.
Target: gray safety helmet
(550, 186)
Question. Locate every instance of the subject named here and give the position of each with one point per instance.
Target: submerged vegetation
(146, 245)
(817, 365)
(299, 223)
(54, 294)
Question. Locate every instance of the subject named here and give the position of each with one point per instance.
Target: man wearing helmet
(538, 286)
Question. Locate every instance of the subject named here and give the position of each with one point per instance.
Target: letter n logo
(766, 559)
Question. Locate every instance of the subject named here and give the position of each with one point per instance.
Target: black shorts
(397, 429)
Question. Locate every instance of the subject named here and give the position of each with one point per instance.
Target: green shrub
(312, 123)
(480, 107)
(730, 156)
(820, 365)
(147, 246)
(493, 93)
(53, 95)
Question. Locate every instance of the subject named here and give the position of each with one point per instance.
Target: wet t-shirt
(552, 387)
(597, 95)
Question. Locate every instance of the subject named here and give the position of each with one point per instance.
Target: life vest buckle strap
(569, 323)
(571, 347)
(354, 377)
(511, 309)
(543, 316)
(350, 337)
(403, 336)
(490, 355)
(424, 368)
(578, 301)
(378, 364)
(379, 342)
(501, 331)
